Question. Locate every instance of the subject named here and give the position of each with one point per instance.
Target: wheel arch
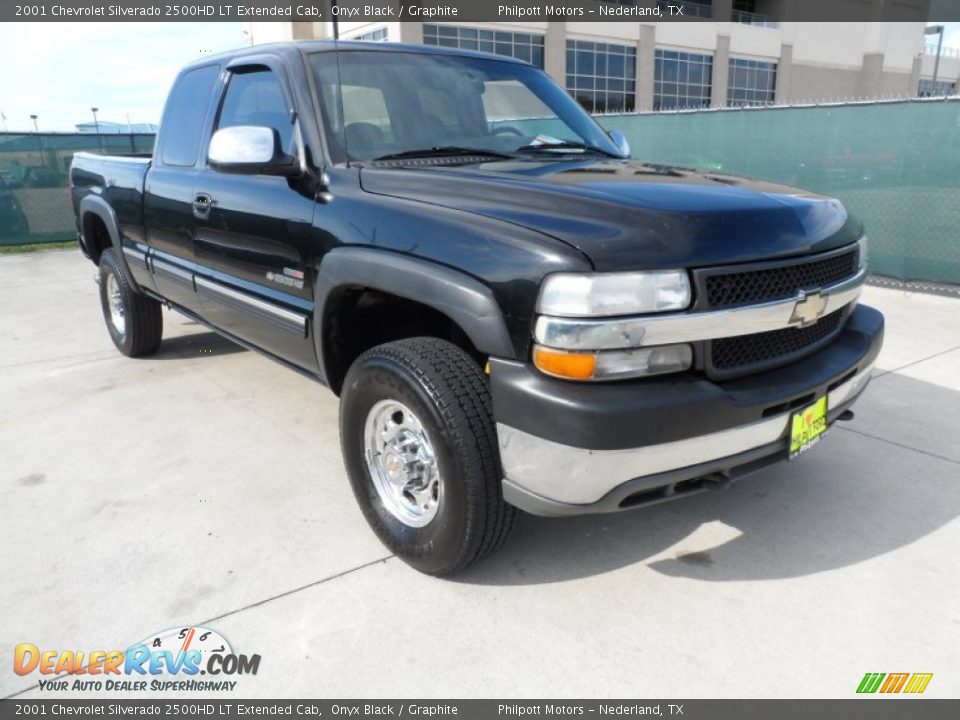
(465, 302)
(95, 213)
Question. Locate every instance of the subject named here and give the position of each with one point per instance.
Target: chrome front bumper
(550, 478)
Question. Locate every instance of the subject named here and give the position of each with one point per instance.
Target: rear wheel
(134, 321)
(420, 447)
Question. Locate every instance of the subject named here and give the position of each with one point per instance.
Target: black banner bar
(472, 11)
(873, 708)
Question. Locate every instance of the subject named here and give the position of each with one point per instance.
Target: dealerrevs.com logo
(172, 660)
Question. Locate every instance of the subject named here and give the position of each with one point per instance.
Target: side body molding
(466, 301)
(101, 208)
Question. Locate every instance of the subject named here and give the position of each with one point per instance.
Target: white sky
(58, 71)
(951, 35)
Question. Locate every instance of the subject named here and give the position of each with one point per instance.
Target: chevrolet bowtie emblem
(808, 309)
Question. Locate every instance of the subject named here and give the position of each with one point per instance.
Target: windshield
(391, 103)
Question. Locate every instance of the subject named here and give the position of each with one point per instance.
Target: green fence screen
(895, 165)
(34, 204)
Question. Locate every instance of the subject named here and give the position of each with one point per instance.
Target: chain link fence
(34, 202)
(896, 165)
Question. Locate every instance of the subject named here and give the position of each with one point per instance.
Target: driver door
(252, 239)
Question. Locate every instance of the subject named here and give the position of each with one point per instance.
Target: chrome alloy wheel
(402, 463)
(115, 301)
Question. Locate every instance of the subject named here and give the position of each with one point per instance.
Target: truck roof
(313, 46)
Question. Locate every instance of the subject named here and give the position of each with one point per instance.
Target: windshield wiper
(444, 151)
(561, 146)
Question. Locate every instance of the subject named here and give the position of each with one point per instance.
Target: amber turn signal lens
(569, 365)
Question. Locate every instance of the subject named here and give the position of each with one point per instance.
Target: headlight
(613, 364)
(862, 254)
(605, 294)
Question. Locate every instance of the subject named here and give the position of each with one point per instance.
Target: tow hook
(846, 416)
(716, 481)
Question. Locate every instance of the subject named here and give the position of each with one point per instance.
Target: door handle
(201, 206)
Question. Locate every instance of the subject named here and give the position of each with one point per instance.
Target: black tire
(449, 395)
(142, 316)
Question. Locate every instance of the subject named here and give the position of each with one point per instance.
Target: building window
(681, 80)
(691, 8)
(522, 46)
(602, 77)
(377, 35)
(929, 88)
(751, 82)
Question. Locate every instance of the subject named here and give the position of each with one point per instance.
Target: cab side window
(255, 98)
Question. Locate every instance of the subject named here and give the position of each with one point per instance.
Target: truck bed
(118, 179)
(125, 172)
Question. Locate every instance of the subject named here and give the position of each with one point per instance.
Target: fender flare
(465, 300)
(96, 205)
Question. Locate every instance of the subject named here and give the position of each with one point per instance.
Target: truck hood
(627, 215)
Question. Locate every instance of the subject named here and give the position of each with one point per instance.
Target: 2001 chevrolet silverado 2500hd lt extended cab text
(513, 313)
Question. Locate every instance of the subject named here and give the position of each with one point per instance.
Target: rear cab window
(182, 128)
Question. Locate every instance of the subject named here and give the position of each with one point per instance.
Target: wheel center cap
(402, 463)
(393, 464)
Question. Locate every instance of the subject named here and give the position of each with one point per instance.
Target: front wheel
(135, 321)
(420, 447)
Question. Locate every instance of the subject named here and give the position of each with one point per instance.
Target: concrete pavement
(204, 486)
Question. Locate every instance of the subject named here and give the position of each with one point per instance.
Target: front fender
(466, 301)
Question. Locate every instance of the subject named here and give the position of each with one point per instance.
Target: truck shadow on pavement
(200, 344)
(879, 483)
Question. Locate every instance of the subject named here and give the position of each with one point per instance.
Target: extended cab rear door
(168, 205)
(254, 239)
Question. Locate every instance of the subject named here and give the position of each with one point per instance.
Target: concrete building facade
(750, 59)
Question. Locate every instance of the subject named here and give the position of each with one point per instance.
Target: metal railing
(750, 18)
(945, 52)
(690, 8)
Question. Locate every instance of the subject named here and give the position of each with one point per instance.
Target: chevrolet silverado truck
(513, 313)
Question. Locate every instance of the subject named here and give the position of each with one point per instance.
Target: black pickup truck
(513, 313)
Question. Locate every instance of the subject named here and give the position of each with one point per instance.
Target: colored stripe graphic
(870, 682)
(918, 682)
(894, 683)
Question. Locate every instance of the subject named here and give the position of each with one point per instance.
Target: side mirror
(250, 150)
(620, 140)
